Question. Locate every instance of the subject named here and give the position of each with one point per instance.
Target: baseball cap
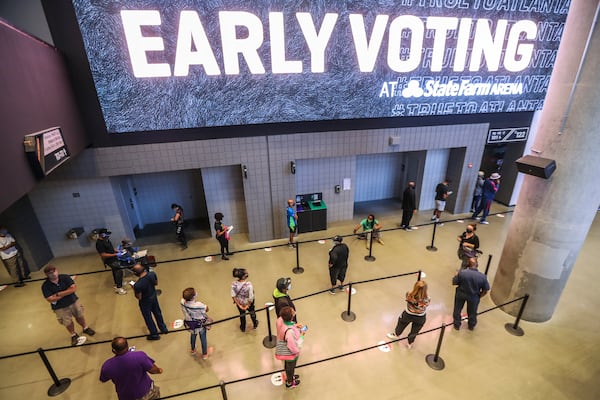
(104, 232)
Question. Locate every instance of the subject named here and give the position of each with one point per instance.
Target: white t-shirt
(11, 251)
(243, 292)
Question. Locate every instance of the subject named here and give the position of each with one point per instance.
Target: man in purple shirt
(129, 370)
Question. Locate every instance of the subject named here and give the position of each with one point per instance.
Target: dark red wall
(35, 94)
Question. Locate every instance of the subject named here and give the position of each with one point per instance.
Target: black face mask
(469, 230)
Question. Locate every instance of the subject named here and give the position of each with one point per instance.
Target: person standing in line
(281, 298)
(194, 312)
(471, 286)
(416, 305)
(110, 258)
(490, 187)
(338, 263)
(477, 191)
(222, 235)
(242, 293)
(468, 245)
(128, 370)
(59, 291)
(145, 292)
(409, 206)
(12, 257)
(292, 221)
(179, 221)
(441, 194)
(290, 338)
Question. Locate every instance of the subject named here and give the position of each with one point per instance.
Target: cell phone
(304, 328)
(132, 283)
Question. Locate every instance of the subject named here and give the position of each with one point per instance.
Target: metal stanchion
(348, 315)
(434, 360)
(487, 267)
(59, 386)
(432, 247)
(223, 392)
(269, 341)
(370, 256)
(298, 269)
(419, 276)
(514, 329)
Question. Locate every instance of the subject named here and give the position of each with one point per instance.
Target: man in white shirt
(11, 257)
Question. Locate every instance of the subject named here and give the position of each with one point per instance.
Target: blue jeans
(202, 333)
(149, 308)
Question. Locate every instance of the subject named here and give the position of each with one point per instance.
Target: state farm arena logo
(456, 88)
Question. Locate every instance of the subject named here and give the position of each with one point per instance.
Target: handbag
(199, 323)
(282, 351)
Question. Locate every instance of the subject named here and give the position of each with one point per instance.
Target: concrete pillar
(553, 216)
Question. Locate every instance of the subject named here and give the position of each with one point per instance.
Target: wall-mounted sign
(160, 65)
(507, 135)
(46, 150)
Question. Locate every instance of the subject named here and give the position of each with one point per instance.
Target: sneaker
(477, 218)
(437, 220)
(153, 337)
(120, 291)
(332, 291)
(228, 254)
(408, 229)
(89, 331)
(392, 335)
(380, 241)
(256, 324)
(224, 258)
(75, 340)
(484, 222)
(292, 385)
(292, 245)
(205, 356)
(433, 218)
(408, 345)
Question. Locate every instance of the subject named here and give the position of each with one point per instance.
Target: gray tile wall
(323, 161)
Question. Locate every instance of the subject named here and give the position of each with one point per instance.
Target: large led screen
(162, 65)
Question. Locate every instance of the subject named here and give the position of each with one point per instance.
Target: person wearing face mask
(489, 189)
(468, 245)
(370, 226)
(242, 293)
(59, 291)
(194, 310)
(281, 298)
(338, 264)
(409, 206)
(145, 292)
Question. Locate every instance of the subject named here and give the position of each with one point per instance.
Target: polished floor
(558, 359)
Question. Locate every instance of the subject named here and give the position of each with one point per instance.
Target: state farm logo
(464, 87)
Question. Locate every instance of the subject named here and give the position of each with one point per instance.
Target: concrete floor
(558, 359)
